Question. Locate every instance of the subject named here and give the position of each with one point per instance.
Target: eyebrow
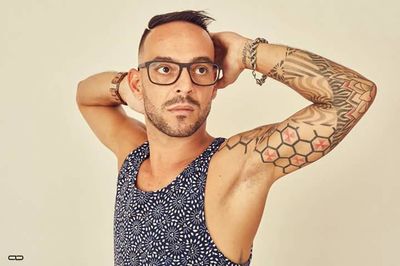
(194, 59)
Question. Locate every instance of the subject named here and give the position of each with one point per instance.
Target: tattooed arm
(340, 97)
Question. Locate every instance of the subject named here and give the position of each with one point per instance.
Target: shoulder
(228, 163)
(128, 148)
(236, 160)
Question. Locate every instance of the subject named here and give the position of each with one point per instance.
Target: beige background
(57, 181)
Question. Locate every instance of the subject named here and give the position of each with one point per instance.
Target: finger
(221, 84)
(215, 38)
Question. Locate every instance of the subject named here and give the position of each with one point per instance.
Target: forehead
(182, 41)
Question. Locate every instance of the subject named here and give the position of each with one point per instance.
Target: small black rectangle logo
(15, 257)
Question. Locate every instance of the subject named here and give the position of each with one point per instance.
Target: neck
(170, 153)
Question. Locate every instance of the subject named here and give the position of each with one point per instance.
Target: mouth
(181, 111)
(181, 108)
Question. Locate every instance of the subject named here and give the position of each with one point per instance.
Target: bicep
(274, 150)
(299, 140)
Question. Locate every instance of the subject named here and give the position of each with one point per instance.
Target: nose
(184, 82)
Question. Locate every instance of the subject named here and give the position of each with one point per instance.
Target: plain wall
(58, 182)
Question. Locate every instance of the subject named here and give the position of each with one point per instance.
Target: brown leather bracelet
(115, 91)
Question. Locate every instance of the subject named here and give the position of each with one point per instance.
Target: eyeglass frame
(181, 67)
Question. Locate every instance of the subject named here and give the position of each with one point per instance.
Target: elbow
(78, 95)
(372, 92)
(82, 83)
(368, 97)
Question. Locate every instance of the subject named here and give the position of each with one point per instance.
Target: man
(183, 196)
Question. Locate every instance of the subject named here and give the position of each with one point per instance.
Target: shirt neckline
(146, 150)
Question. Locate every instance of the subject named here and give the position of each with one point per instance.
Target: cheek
(208, 99)
(155, 100)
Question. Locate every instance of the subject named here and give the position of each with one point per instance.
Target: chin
(184, 129)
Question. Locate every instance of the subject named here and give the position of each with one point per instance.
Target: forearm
(331, 87)
(95, 90)
(316, 78)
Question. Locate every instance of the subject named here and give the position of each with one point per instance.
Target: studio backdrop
(58, 181)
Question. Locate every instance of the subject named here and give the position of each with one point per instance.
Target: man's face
(182, 42)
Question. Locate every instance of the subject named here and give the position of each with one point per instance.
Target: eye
(164, 69)
(201, 70)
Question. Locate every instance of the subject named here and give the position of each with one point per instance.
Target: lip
(181, 108)
(181, 111)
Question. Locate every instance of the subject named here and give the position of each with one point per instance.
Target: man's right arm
(105, 116)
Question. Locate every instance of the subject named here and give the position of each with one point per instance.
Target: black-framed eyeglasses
(168, 72)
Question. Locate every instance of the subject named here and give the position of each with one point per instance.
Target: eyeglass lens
(168, 72)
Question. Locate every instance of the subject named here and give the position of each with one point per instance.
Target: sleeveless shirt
(167, 226)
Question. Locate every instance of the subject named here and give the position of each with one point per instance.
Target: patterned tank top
(167, 226)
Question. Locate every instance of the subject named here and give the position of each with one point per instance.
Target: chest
(213, 181)
(201, 196)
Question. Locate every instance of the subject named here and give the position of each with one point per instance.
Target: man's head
(198, 18)
(181, 37)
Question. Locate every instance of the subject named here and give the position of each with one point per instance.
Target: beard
(184, 128)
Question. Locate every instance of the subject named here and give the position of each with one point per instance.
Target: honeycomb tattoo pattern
(298, 152)
(286, 149)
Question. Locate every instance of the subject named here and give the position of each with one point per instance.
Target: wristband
(115, 91)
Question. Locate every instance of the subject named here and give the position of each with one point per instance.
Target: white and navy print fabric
(167, 226)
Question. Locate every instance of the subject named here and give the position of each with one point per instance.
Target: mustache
(183, 100)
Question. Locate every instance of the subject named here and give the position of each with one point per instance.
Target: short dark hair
(199, 18)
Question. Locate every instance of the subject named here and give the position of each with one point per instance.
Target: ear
(135, 83)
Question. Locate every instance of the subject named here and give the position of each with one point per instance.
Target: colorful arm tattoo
(340, 98)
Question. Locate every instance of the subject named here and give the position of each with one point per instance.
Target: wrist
(246, 63)
(250, 58)
(124, 89)
(115, 87)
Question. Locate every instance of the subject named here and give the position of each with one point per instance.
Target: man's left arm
(340, 97)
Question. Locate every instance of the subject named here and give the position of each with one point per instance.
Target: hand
(228, 54)
(132, 99)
